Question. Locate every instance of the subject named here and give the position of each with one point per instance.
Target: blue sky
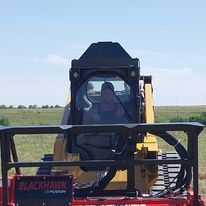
(38, 40)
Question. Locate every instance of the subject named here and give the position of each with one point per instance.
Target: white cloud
(177, 86)
(33, 89)
(169, 74)
(56, 59)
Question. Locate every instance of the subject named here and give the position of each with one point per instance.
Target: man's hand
(119, 112)
(94, 115)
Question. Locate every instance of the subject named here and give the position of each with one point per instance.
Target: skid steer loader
(108, 159)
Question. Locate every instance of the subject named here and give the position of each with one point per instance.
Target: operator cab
(104, 62)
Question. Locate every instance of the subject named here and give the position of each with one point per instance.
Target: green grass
(32, 149)
(33, 116)
(165, 113)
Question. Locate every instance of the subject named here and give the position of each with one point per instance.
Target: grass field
(32, 149)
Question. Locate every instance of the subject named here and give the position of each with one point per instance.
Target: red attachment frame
(135, 202)
(180, 200)
(174, 201)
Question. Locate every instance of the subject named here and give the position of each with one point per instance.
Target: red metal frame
(180, 200)
(173, 201)
(137, 202)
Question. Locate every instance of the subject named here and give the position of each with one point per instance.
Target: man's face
(107, 96)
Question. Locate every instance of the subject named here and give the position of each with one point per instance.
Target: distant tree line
(47, 106)
(2, 106)
(199, 118)
(34, 106)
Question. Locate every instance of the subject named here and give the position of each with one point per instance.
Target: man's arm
(91, 116)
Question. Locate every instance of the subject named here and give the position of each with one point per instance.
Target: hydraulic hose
(184, 175)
